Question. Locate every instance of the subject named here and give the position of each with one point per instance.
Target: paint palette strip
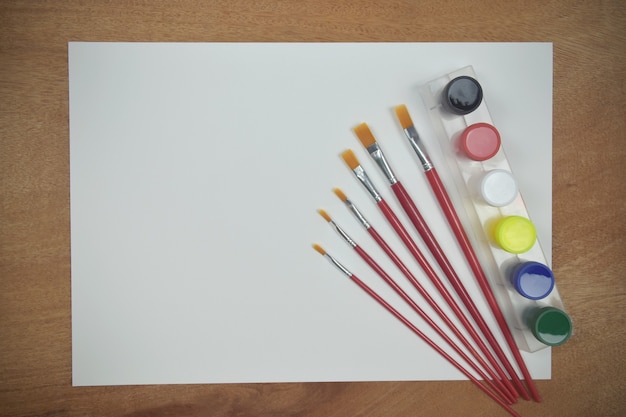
(493, 211)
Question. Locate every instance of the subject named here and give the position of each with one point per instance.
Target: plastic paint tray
(473, 155)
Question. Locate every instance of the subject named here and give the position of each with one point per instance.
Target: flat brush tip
(403, 116)
(350, 159)
(319, 249)
(365, 135)
(324, 215)
(340, 194)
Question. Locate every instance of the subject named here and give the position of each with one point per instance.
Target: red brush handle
(418, 221)
(453, 219)
(432, 344)
(383, 274)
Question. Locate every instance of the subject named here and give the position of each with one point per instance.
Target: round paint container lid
(515, 234)
(462, 95)
(480, 141)
(532, 280)
(551, 326)
(498, 188)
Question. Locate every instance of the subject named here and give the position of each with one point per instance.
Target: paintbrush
(455, 224)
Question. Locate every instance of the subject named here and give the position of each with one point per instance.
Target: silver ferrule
(377, 155)
(367, 183)
(343, 234)
(357, 214)
(338, 265)
(415, 141)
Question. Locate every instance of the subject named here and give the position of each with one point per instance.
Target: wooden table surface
(589, 247)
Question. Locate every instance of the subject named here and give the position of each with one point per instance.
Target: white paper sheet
(196, 173)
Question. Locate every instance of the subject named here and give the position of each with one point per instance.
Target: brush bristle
(324, 215)
(340, 194)
(350, 159)
(403, 116)
(319, 249)
(365, 135)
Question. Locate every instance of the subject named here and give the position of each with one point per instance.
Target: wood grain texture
(589, 255)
